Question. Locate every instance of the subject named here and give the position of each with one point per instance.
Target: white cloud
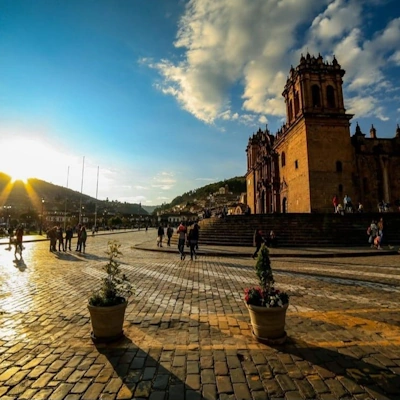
(362, 106)
(164, 181)
(339, 18)
(250, 45)
(207, 179)
(395, 58)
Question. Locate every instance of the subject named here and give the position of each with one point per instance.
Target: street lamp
(41, 218)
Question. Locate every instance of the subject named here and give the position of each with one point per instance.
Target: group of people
(259, 238)
(375, 234)
(64, 242)
(185, 238)
(347, 206)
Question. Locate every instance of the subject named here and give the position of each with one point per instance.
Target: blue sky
(161, 96)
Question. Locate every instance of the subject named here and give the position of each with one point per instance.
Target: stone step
(301, 230)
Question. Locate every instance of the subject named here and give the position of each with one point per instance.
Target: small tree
(265, 295)
(115, 288)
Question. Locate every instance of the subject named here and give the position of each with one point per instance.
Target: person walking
(19, 233)
(193, 239)
(181, 239)
(170, 232)
(258, 241)
(160, 236)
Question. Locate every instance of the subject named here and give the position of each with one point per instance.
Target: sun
(24, 163)
(19, 176)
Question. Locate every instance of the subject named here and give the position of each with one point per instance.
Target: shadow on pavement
(145, 374)
(347, 367)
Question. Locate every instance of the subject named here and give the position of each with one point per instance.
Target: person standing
(335, 202)
(181, 239)
(68, 237)
(170, 232)
(52, 235)
(372, 231)
(258, 241)
(160, 234)
(60, 238)
(83, 238)
(380, 232)
(79, 243)
(193, 238)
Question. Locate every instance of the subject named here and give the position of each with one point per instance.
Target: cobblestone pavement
(187, 333)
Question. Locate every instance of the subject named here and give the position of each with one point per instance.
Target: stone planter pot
(107, 322)
(268, 324)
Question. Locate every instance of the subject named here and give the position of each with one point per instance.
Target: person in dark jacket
(160, 234)
(170, 232)
(60, 238)
(193, 239)
(68, 237)
(258, 241)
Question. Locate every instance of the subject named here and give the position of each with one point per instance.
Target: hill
(19, 197)
(201, 196)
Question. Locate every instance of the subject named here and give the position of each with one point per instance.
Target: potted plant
(107, 304)
(267, 306)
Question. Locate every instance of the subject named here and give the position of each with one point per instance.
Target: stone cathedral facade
(313, 156)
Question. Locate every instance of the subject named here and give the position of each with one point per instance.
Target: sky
(148, 99)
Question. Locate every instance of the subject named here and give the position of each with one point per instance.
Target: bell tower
(314, 145)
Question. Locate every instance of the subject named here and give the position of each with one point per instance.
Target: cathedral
(313, 156)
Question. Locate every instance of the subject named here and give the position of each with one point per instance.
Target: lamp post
(41, 218)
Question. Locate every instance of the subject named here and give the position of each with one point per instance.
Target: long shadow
(356, 373)
(158, 374)
(145, 374)
(20, 264)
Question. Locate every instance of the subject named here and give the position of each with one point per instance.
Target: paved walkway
(187, 333)
(149, 244)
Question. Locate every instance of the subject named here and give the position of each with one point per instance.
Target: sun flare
(33, 159)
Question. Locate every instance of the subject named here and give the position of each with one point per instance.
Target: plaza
(187, 332)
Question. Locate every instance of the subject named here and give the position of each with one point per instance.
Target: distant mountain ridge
(22, 197)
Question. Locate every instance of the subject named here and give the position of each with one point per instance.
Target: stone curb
(241, 254)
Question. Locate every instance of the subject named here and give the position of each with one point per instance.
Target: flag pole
(80, 202)
(66, 199)
(97, 191)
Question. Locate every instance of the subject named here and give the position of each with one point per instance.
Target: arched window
(330, 96)
(339, 167)
(283, 159)
(296, 103)
(340, 188)
(316, 99)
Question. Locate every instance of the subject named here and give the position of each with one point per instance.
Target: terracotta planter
(107, 322)
(268, 324)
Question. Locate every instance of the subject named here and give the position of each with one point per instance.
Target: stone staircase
(298, 230)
